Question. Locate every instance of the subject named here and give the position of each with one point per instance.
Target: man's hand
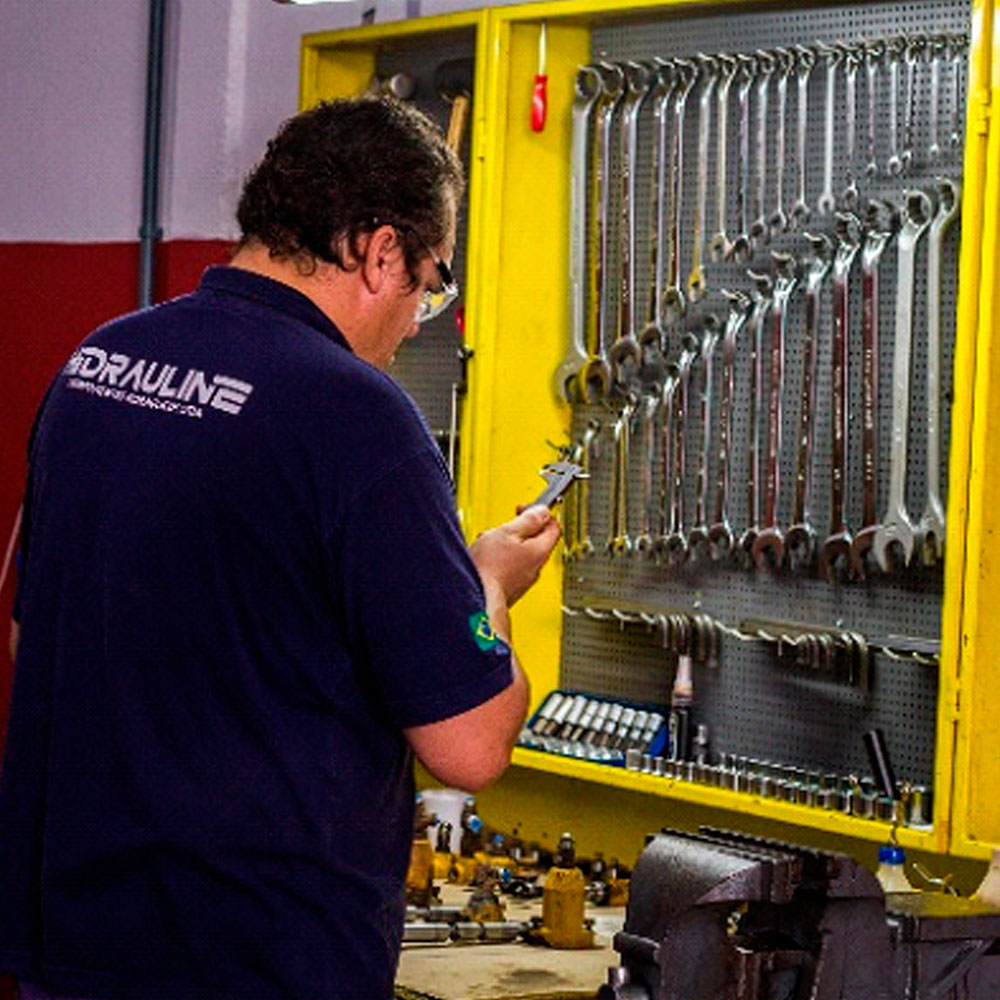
(510, 556)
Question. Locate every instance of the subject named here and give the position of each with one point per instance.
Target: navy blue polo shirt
(243, 577)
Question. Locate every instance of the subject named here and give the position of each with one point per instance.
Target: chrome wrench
(881, 224)
(836, 547)
(710, 77)
(931, 525)
(778, 221)
(583, 546)
(740, 247)
(896, 527)
(720, 534)
(894, 48)
(698, 535)
(874, 51)
(676, 541)
(719, 246)
(644, 539)
(619, 542)
(762, 298)
(852, 62)
(666, 498)
(800, 539)
(805, 59)
(766, 65)
(914, 48)
(827, 204)
(588, 89)
(769, 545)
(958, 46)
(595, 379)
(673, 298)
(938, 46)
(625, 355)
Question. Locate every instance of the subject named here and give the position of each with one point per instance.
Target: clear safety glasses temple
(433, 301)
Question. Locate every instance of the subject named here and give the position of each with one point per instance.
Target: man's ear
(377, 253)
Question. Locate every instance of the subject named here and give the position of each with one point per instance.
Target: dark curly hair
(341, 169)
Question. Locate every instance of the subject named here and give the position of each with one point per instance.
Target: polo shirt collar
(275, 294)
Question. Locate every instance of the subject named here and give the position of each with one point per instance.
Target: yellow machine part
(443, 861)
(463, 870)
(419, 876)
(563, 897)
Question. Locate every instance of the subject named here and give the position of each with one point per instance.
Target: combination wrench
(896, 527)
(720, 533)
(762, 293)
(836, 547)
(957, 46)
(827, 203)
(895, 48)
(619, 542)
(881, 223)
(912, 56)
(800, 539)
(930, 527)
(582, 545)
(740, 247)
(588, 90)
(676, 545)
(766, 65)
(653, 335)
(874, 51)
(671, 380)
(710, 77)
(673, 298)
(595, 378)
(769, 545)
(644, 538)
(937, 45)
(852, 63)
(625, 354)
(805, 59)
(719, 246)
(698, 535)
(778, 221)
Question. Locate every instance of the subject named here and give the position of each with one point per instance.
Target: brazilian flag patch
(482, 631)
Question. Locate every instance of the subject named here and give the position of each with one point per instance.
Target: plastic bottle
(471, 825)
(891, 872)
(989, 888)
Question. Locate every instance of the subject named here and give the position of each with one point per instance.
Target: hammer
(453, 83)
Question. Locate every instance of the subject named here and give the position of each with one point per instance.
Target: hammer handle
(457, 122)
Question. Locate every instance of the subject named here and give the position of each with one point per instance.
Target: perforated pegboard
(428, 366)
(753, 705)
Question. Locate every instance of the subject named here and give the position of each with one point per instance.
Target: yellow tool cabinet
(517, 316)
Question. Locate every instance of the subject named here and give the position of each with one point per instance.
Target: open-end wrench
(914, 49)
(937, 46)
(582, 545)
(698, 535)
(595, 378)
(671, 379)
(625, 354)
(881, 223)
(895, 48)
(766, 65)
(930, 527)
(740, 247)
(619, 542)
(719, 245)
(763, 291)
(588, 89)
(769, 545)
(720, 533)
(805, 59)
(571, 506)
(676, 541)
(673, 305)
(644, 539)
(710, 77)
(852, 62)
(652, 337)
(777, 220)
(874, 51)
(896, 527)
(958, 45)
(836, 548)
(827, 203)
(800, 539)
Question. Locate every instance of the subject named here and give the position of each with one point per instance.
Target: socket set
(847, 794)
(597, 729)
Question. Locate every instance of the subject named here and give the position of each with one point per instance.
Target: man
(245, 603)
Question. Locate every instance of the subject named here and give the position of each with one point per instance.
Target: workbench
(471, 971)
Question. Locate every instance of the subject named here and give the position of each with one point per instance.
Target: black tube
(149, 227)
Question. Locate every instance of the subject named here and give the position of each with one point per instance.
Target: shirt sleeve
(413, 600)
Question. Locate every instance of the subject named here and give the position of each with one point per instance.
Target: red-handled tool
(539, 96)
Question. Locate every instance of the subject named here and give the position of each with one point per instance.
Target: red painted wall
(54, 294)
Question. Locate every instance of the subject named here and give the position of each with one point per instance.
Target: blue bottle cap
(474, 823)
(891, 854)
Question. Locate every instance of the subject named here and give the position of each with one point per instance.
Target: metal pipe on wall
(149, 228)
